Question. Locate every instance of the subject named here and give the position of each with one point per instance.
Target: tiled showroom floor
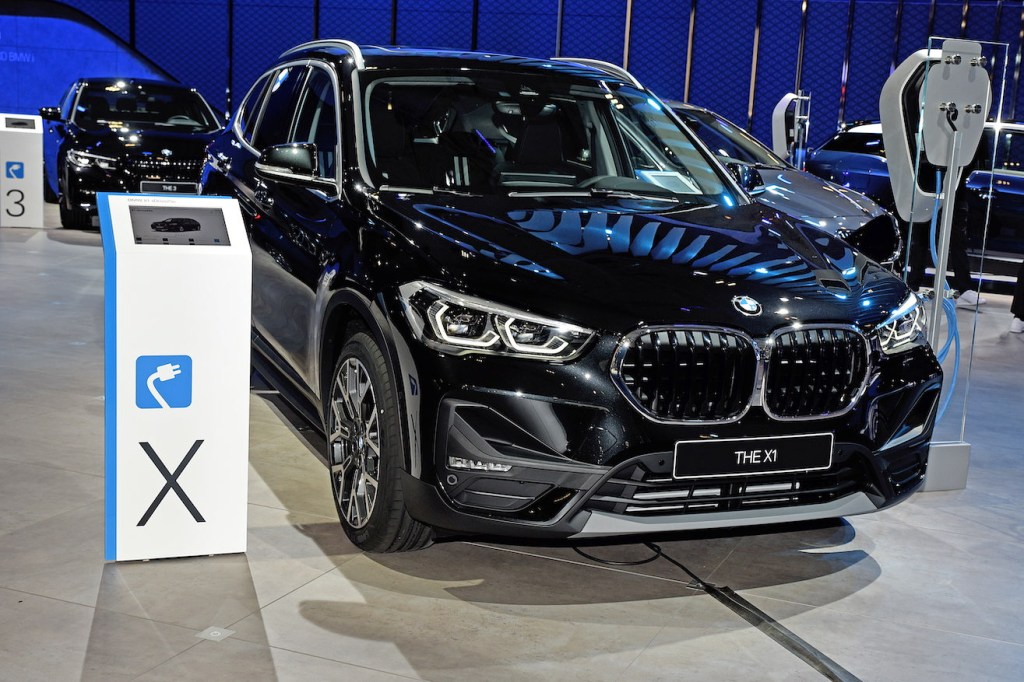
(929, 590)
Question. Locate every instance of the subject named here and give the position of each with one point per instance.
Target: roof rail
(607, 67)
(346, 45)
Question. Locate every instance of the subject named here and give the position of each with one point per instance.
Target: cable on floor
(748, 612)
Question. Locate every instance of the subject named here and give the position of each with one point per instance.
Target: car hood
(821, 203)
(122, 142)
(621, 264)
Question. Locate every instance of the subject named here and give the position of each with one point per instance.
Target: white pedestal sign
(177, 317)
(21, 171)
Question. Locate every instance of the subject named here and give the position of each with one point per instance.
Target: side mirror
(293, 164)
(50, 113)
(748, 177)
(879, 239)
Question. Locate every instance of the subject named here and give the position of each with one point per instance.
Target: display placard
(178, 274)
(21, 171)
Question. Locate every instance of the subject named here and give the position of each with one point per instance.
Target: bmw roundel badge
(746, 305)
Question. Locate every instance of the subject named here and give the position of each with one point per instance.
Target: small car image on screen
(176, 225)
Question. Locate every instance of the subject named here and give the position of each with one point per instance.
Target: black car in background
(520, 299)
(855, 158)
(175, 225)
(832, 207)
(123, 135)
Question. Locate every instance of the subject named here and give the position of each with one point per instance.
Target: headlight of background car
(905, 328)
(457, 323)
(85, 159)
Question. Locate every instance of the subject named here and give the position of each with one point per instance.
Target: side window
(250, 109)
(317, 121)
(718, 143)
(1011, 156)
(67, 101)
(276, 119)
(856, 143)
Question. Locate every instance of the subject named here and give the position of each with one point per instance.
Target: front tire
(74, 218)
(366, 452)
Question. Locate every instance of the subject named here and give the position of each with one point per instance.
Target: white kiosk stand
(177, 318)
(21, 171)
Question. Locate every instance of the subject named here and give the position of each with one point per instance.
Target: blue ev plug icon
(15, 170)
(163, 381)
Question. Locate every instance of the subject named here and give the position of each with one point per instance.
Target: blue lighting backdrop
(744, 55)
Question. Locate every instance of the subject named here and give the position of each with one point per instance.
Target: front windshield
(126, 104)
(515, 134)
(728, 141)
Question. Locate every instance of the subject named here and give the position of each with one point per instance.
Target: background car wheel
(365, 452)
(74, 218)
(49, 196)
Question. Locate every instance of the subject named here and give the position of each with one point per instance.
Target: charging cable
(948, 304)
(163, 373)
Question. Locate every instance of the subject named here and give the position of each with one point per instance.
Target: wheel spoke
(373, 446)
(352, 514)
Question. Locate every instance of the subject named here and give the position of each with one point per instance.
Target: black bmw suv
(123, 135)
(522, 299)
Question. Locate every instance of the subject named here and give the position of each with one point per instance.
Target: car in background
(520, 298)
(123, 135)
(839, 210)
(855, 158)
(175, 225)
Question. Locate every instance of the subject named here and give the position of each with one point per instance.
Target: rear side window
(317, 121)
(282, 96)
(250, 109)
(856, 143)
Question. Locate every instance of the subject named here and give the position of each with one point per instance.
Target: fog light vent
(476, 465)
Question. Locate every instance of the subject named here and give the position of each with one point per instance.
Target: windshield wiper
(630, 194)
(593, 192)
(454, 192)
(428, 190)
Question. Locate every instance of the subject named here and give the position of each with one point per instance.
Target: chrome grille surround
(178, 170)
(843, 339)
(756, 387)
(742, 368)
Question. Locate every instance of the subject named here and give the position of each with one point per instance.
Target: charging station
(791, 122)
(933, 109)
(21, 171)
(178, 274)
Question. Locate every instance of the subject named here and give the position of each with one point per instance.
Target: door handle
(262, 197)
(222, 162)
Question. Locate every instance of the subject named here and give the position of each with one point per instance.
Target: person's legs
(915, 242)
(1017, 305)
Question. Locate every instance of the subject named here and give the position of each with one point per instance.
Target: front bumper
(564, 454)
(82, 184)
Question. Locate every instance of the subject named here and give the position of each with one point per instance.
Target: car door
(304, 227)
(1005, 184)
(53, 140)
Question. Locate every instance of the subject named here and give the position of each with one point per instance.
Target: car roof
(377, 56)
(876, 128)
(134, 81)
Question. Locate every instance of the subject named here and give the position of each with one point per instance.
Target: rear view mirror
(748, 177)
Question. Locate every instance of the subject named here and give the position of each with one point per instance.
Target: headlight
(85, 159)
(457, 323)
(905, 328)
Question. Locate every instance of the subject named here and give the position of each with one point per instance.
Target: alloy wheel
(355, 443)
